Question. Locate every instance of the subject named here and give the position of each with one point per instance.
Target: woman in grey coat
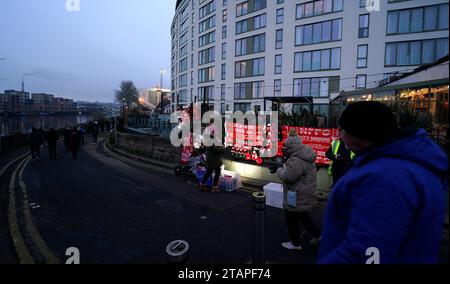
(299, 176)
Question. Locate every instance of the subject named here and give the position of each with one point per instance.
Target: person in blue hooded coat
(389, 207)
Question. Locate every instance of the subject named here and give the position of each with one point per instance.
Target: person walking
(52, 141)
(74, 143)
(392, 200)
(95, 132)
(213, 162)
(35, 141)
(299, 177)
(81, 133)
(340, 158)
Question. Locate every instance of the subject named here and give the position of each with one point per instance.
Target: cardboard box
(274, 195)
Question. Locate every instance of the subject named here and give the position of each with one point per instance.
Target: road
(114, 212)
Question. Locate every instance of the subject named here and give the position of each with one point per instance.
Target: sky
(85, 54)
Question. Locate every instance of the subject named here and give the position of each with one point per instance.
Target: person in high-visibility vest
(340, 158)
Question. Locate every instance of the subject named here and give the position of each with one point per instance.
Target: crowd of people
(73, 138)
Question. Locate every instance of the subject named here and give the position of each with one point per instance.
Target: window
(183, 50)
(222, 92)
(207, 39)
(250, 68)
(316, 87)
(224, 3)
(250, 45)
(224, 32)
(224, 16)
(207, 24)
(318, 60)
(361, 81)
(279, 39)
(364, 26)
(206, 93)
(183, 80)
(362, 56)
(317, 8)
(182, 96)
(206, 75)
(224, 50)
(319, 32)
(277, 88)
(243, 107)
(206, 56)
(184, 65)
(249, 90)
(207, 9)
(251, 24)
(278, 64)
(250, 7)
(420, 19)
(280, 16)
(224, 70)
(415, 52)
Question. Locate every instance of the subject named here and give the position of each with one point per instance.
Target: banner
(319, 139)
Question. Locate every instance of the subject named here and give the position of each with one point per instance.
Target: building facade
(233, 53)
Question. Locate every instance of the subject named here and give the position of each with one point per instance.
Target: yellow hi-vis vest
(335, 146)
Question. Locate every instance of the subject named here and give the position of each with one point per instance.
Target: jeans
(209, 174)
(292, 220)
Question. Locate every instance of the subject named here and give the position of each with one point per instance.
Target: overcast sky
(84, 55)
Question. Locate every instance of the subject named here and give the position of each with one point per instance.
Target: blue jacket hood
(414, 146)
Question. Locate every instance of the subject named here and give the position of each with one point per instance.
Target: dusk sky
(84, 55)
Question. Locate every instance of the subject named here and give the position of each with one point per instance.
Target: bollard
(258, 231)
(177, 252)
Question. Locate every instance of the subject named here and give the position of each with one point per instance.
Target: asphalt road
(117, 213)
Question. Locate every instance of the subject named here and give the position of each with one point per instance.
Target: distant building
(16, 101)
(155, 98)
(43, 102)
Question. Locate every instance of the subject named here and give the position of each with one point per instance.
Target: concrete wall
(150, 146)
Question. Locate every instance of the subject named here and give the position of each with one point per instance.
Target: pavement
(114, 212)
(118, 212)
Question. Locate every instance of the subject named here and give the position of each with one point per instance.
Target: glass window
(327, 6)
(415, 52)
(404, 20)
(325, 60)
(335, 58)
(364, 26)
(300, 12)
(298, 62)
(431, 15)
(317, 33)
(307, 37)
(299, 35)
(402, 53)
(279, 39)
(443, 16)
(278, 64)
(315, 87)
(441, 48)
(280, 16)
(326, 31)
(391, 51)
(392, 23)
(337, 5)
(417, 20)
(307, 61)
(428, 48)
(362, 56)
(324, 87)
(318, 7)
(316, 60)
(361, 81)
(337, 29)
(309, 9)
(306, 87)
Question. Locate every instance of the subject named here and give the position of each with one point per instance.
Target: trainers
(290, 246)
(315, 241)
